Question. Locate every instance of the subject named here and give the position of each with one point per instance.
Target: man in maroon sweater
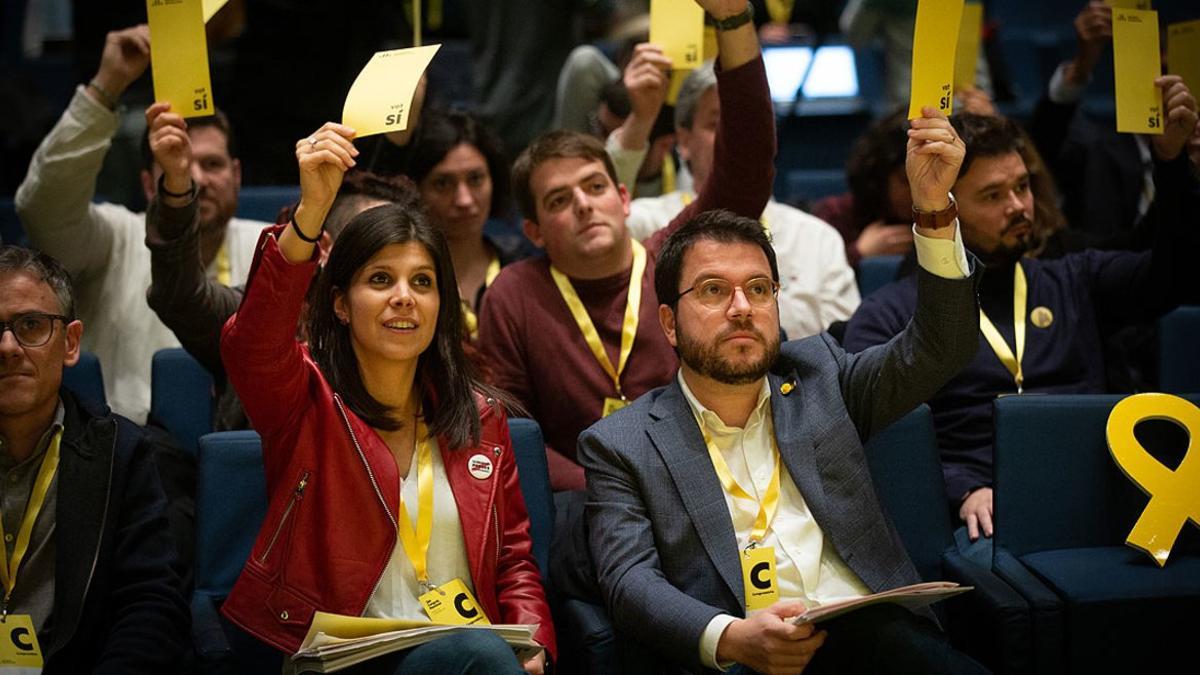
(564, 333)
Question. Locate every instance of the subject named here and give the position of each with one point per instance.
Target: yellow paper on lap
(758, 577)
(1174, 495)
(934, 40)
(1136, 63)
(678, 27)
(19, 646)
(211, 7)
(452, 604)
(1183, 53)
(966, 56)
(179, 56)
(381, 96)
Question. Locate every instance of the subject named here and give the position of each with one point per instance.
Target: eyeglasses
(33, 329)
(717, 293)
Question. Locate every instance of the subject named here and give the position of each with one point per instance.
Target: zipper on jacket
(297, 495)
(374, 484)
(496, 525)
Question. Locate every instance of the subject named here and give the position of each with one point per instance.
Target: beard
(705, 357)
(1007, 253)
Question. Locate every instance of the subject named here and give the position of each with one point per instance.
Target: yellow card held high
(966, 56)
(1183, 53)
(935, 38)
(1136, 63)
(678, 27)
(381, 96)
(179, 56)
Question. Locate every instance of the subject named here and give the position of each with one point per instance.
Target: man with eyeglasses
(723, 504)
(86, 563)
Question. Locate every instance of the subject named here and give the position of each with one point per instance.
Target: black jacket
(118, 607)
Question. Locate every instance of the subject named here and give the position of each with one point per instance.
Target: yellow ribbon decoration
(1174, 495)
(1011, 362)
(629, 326)
(41, 487)
(416, 544)
(770, 502)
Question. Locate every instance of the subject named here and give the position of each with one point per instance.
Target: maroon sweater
(532, 344)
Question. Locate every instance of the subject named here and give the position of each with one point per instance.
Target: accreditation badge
(451, 604)
(612, 405)
(19, 648)
(758, 577)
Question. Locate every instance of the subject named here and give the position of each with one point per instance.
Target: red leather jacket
(334, 488)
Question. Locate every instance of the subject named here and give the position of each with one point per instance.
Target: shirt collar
(6, 461)
(709, 420)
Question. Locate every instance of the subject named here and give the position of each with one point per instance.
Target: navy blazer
(660, 533)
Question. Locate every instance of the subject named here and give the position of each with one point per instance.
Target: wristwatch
(935, 220)
(737, 20)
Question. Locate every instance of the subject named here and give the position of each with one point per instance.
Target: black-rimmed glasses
(32, 329)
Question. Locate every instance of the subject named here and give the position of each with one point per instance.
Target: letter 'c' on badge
(1174, 495)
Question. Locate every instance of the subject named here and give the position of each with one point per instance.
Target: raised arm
(646, 80)
(54, 201)
(263, 360)
(743, 168)
(193, 306)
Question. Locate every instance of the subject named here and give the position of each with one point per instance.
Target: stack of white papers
(909, 597)
(335, 642)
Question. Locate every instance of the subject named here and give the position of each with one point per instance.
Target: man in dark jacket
(87, 561)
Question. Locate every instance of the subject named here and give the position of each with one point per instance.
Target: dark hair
(876, 155)
(447, 380)
(560, 144)
(718, 225)
(443, 131)
(986, 136)
(15, 259)
(217, 120)
(359, 186)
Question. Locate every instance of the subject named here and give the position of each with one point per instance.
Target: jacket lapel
(681, 445)
(795, 441)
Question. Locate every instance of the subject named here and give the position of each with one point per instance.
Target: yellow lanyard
(628, 327)
(416, 544)
(780, 11)
(41, 487)
(687, 199)
(470, 320)
(224, 269)
(1011, 362)
(770, 502)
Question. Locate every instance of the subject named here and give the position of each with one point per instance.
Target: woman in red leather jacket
(390, 473)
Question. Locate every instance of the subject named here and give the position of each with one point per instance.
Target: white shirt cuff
(709, 639)
(943, 257)
(1060, 90)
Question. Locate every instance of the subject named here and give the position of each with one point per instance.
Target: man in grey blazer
(755, 453)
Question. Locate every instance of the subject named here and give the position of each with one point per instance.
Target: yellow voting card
(678, 27)
(381, 96)
(934, 39)
(1183, 53)
(1136, 64)
(212, 7)
(967, 55)
(1129, 4)
(179, 56)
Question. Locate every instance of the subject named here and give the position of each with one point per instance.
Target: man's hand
(738, 46)
(125, 57)
(768, 644)
(935, 153)
(1180, 121)
(976, 512)
(879, 238)
(536, 665)
(646, 81)
(171, 147)
(1093, 31)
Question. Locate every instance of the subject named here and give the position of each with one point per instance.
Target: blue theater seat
(535, 486)
(1062, 511)
(262, 202)
(1178, 364)
(876, 272)
(86, 379)
(181, 396)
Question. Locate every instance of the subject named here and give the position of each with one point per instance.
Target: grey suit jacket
(660, 534)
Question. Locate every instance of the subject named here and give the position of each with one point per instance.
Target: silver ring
(312, 141)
